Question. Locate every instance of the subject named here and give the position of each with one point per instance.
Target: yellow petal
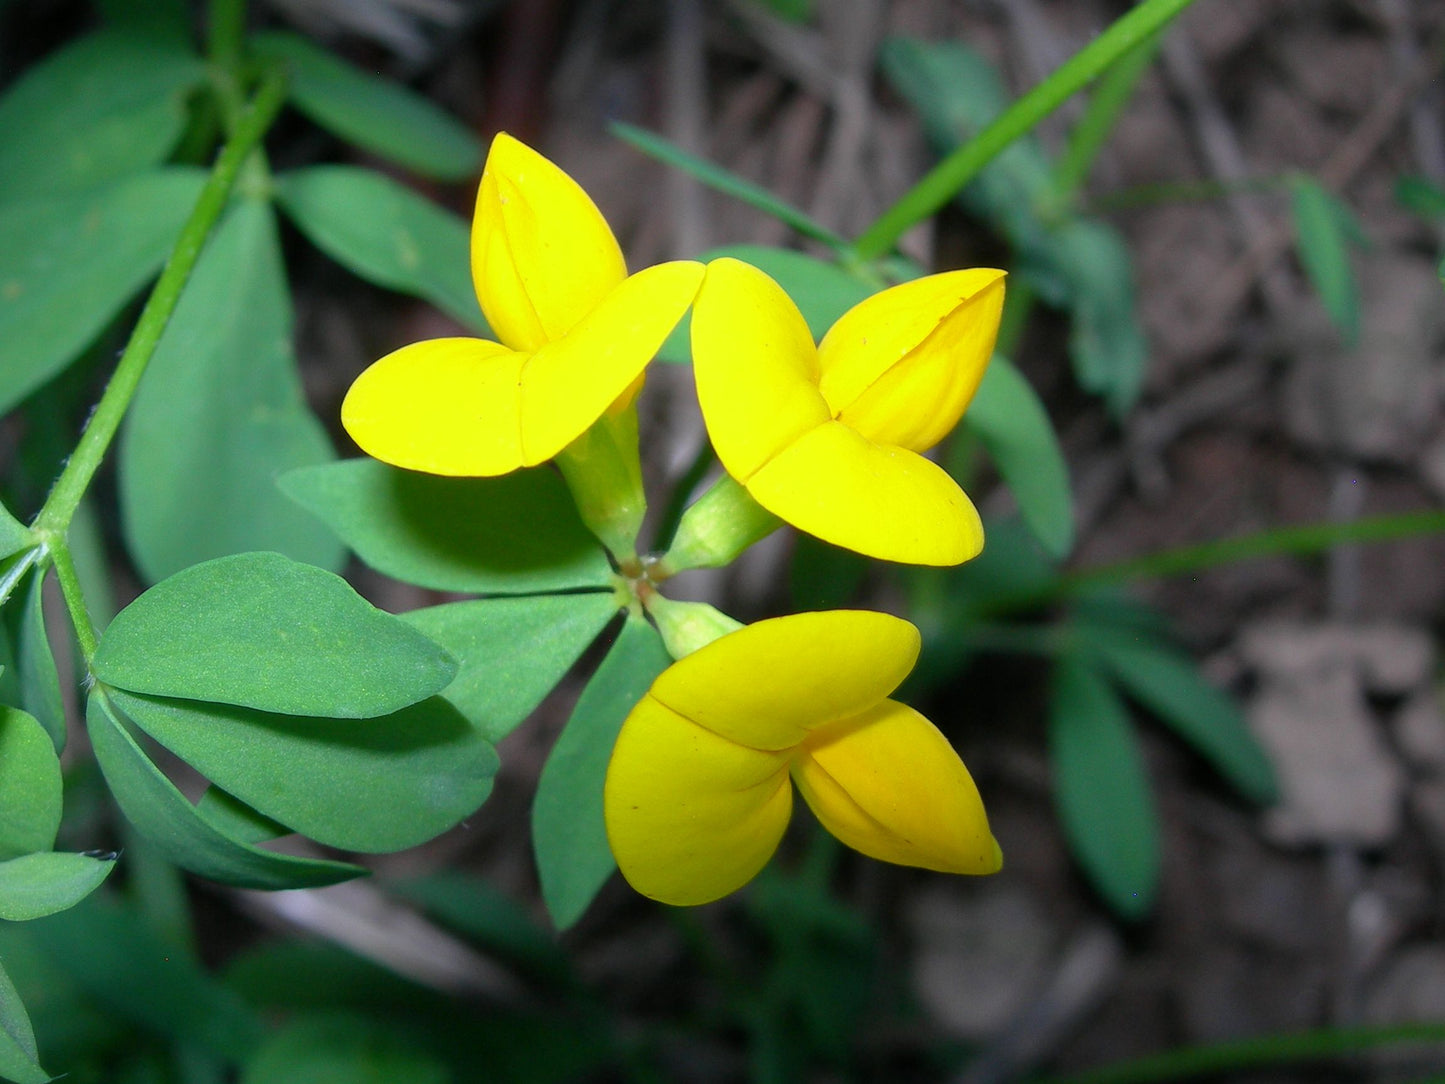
(691, 816)
(875, 499)
(769, 684)
(444, 406)
(901, 366)
(570, 383)
(888, 784)
(755, 364)
(542, 254)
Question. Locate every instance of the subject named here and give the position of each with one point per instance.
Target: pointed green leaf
(105, 106)
(374, 114)
(368, 785)
(1167, 683)
(18, 1052)
(387, 234)
(72, 261)
(220, 413)
(511, 651)
(1323, 227)
(516, 534)
(161, 813)
(262, 631)
(14, 535)
(35, 673)
(30, 785)
(1015, 429)
(35, 885)
(342, 1048)
(1101, 790)
(568, 833)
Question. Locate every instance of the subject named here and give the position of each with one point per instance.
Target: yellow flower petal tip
(828, 437)
(697, 795)
(577, 333)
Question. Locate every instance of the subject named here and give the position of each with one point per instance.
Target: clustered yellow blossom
(827, 437)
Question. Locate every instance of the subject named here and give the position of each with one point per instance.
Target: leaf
(1167, 683)
(1421, 195)
(161, 813)
(569, 836)
(1101, 791)
(1323, 227)
(30, 785)
(516, 534)
(822, 576)
(18, 1052)
(38, 680)
(374, 114)
(387, 234)
(14, 535)
(220, 413)
(512, 651)
(232, 817)
(341, 1048)
(262, 631)
(103, 107)
(367, 785)
(72, 261)
(1014, 427)
(35, 885)
(725, 181)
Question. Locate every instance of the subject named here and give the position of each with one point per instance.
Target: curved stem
(74, 601)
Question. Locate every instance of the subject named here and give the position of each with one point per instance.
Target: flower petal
(755, 364)
(769, 684)
(444, 406)
(878, 500)
(542, 254)
(569, 383)
(901, 366)
(691, 816)
(888, 784)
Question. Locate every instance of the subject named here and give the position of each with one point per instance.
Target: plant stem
(70, 487)
(225, 31)
(74, 600)
(1253, 1053)
(960, 167)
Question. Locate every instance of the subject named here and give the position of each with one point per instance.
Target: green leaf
(35, 885)
(1420, 195)
(568, 833)
(161, 813)
(262, 631)
(368, 785)
(14, 535)
(232, 817)
(374, 114)
(18, 1052)
(72, 261)
(1101, 791)
(387, 234)
(822, 576)
(726, 182)
(1015, 429)
(38, 680)
(1167, 683)
(341, 1048)
(220, 413)
(30, 785)
(105, 106)
(516, 534)
(1323, 227)
(512, 651)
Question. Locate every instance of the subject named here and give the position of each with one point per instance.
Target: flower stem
(960, 167)
(70, 487)
(74, 600)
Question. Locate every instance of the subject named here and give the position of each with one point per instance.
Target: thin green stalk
(960, 167)
(1088, 137)
(74, 599)
(1256, 1053)
(1151, 195)
(70, 487)
(681, 493)
(225, 32)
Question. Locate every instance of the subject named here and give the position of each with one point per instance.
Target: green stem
(1243, 1054)
(960, 167)
(1088, 137)
(681, 493)
(225, 31)
(70, 487)
(74, 599)
(1150, 195)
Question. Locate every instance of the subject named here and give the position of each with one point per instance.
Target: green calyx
(717, 528)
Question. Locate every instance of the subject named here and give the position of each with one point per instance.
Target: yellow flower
(697, 794)
(576, 333)
(827, 437)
